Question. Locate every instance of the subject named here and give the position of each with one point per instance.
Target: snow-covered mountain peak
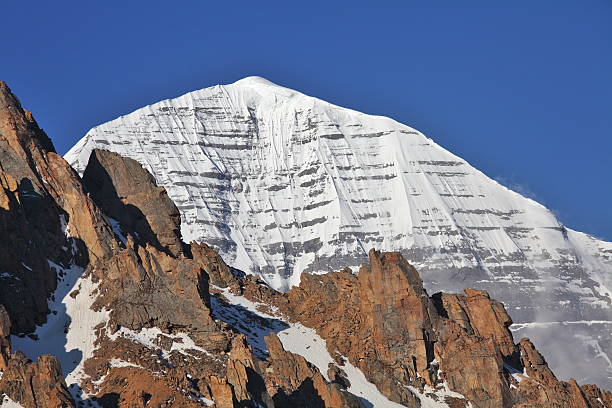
(259, 93)
(282, 183)
(262, 94)
(254, 81)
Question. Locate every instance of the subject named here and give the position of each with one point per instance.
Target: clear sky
(520, 89)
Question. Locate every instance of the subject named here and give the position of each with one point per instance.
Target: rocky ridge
(136, 317)
(382, 320)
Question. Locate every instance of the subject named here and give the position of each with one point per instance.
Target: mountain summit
(281, 183)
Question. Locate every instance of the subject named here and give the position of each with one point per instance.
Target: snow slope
(69, 333)
(282, 183)
(9, 403)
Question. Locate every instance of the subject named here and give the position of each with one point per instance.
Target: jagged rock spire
(17, 125)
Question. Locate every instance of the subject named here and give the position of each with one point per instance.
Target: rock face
(47, 221)
(297, 379)
(279, 183)
(384, 322)
(139, 318)
(44, 211)
(396, 312)
(128, 193)
(35, 384)
(32, 384)
(543, 389)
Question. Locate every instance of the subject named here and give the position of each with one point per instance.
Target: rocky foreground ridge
(94, 272)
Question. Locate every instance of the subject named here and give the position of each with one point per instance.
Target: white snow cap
(282, 183)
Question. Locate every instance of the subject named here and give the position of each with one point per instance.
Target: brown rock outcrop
(27, 154)
(535, 365)
(597, 398)
(5, 344)
(397, 313)
(540, 387)
(383, 321)
(45, 212)
(472, 365)
(472, 333)
(154, 281)
(218, 272)
(293, 382)
(35, 384)
(17, 126)
(32, 384)
(128, 193)
(489, 319)
(30, 225)
(144, 287)
(131, 387)
(85, 222)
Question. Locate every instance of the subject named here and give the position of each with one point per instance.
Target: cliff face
(45, 216)
(130, 315)
(128, 194)
(32, 384)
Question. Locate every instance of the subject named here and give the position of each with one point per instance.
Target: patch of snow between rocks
(69, 333)
(9, 403)
(148, 337)
(429, 402)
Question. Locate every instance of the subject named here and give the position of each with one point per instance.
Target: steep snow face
(282, 183)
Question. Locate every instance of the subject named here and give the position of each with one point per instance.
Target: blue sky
(520, 89)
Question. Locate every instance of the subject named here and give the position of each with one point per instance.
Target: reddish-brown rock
(35, 384)
(489, 319)
(222, 391)
(293, 382)
(45, 212)
(535, 365)
(130, 387)
(541, 389)
(472, 332)
(472, 366)
(383, 322)
(17, 126)
(128, 193)
(5, 344)
(397, 312)
(32, 384)
(211, 262)
(145, 287)
(597, 398)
